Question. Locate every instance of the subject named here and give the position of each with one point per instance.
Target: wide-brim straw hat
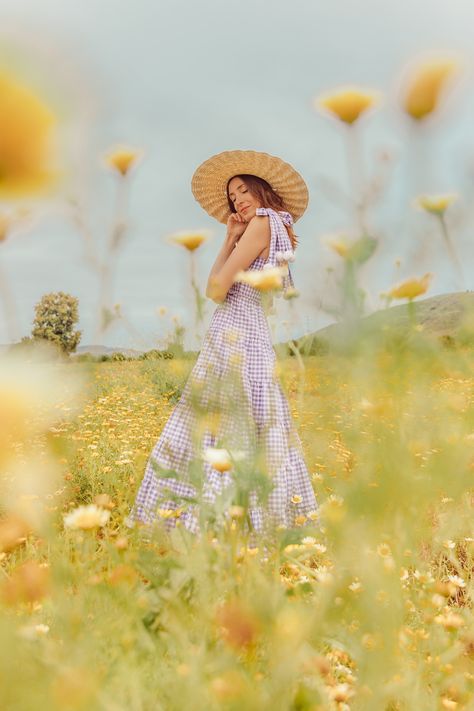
(209, 182)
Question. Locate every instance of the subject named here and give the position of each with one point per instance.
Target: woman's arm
(253, 241)
(222, 256)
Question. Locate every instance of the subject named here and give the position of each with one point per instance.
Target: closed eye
(244, 191)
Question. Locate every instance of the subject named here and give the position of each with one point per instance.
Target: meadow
(372, 612)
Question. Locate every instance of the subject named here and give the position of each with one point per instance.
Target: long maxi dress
(232, 399)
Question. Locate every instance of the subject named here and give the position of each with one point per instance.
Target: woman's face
(245, 203)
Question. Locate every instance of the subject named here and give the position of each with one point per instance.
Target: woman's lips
(244, 208)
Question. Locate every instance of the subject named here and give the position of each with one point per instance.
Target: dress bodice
(281, 251)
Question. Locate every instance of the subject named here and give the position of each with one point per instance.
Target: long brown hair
(266, 195)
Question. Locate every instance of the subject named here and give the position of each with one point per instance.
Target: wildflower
(221, 459)
(263, 279)
(238, 626)
(32, 632)
(166, 513)
(190, 240)
(384, 550)
(87, 517)
(436, 204)
(296, 499)
(355, 586)
(26, 133)
(348, 103)
(340, 692)
(29, 582)
(411, 288)
(236, 511)
(450, 620)
(291, 293)
(425, 87)
(457, 581)
(13, 532)
(104, 501)
(122, 159)
(340, 246)
(357, 251)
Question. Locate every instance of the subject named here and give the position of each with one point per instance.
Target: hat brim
(209, 182)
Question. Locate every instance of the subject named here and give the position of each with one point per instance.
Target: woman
(230, 444)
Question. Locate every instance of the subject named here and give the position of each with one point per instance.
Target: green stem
(451, 250)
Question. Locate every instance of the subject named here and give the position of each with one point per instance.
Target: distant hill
(446, 317)
(107, 350)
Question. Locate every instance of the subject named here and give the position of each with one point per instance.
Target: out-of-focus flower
(32, 632)
(347, 103)
(436, 204)
(29, 582)
(104, 501)
(410, 288)
(450, 620)
(425, 86)
(238, 626)
(26, 140)
(221, 459)
(87, 517)
(291, 293)
(339, 245)
(122, 159)
(236, 511)
(263, 279)
(13, 532)
(357, 251)
(190, 240)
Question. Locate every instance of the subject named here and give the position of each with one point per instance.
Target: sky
(183, 80)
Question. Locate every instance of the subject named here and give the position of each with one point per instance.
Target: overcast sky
(184, 80)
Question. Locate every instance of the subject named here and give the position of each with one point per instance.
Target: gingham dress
(232, 400)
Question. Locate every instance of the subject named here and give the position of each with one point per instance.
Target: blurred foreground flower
(263, 279)
(348, 103)
(436, 204)
(410, 288)
(26, 140)
(425, 86)
(122, 159)
(222, 459)
(358, 251)
(87, 517)
(190, 240)
(29, 582)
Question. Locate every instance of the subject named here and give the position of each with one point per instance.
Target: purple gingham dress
(234, 376)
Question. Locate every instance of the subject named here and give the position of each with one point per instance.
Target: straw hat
(209, 182)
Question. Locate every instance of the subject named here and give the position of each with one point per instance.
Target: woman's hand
(236, 227)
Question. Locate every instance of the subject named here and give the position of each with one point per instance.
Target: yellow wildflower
(221, 459)
(348, 103)
(296, 499)
(122, 159)
(411, 288)
(263, 279)
(425, 87)
(436, 204)
(450, 620)
(340, 246)
(190, 240)
(87, 517)
(26, 135)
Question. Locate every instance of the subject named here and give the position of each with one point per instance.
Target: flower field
(373, 611)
